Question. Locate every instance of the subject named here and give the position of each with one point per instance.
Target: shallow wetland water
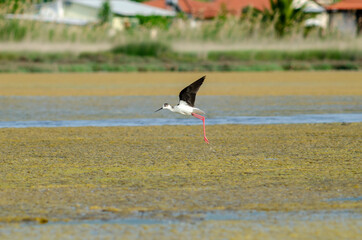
(265, 181)
(78, 111)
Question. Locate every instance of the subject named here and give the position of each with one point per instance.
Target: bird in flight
(187, 102)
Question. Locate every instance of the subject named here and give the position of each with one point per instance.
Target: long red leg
(203, 121)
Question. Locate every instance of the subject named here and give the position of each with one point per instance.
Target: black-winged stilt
(187, 101)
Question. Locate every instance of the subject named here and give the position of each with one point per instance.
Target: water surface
(75, 111)
(211, 225)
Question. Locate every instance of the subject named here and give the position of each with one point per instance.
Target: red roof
(236, 6)
(212, 9)
(346, 5)
(196, 8)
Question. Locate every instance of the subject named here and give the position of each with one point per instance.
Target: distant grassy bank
(155, 56)
(249, 43)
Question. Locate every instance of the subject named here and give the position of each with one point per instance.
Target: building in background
(81, 12)
(236, 7)
(326, 2)
(208, 10)
(346, 16)
(195, 9)
(320, 18)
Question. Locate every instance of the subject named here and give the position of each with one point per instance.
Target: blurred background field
(51, 36)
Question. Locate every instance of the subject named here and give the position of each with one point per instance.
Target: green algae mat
(82, 173)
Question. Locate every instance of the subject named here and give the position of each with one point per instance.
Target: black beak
(158, 109)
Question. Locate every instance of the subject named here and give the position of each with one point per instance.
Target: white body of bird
(184, 108)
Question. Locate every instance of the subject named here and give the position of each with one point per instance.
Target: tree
(105, 13)
(284, 16)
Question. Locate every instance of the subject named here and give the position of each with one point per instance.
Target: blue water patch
(43, 108)
(295, 119)
(345, 199)
(148, 218)
(194, 226)
(105, 111)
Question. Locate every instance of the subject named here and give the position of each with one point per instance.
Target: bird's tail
(198, 111)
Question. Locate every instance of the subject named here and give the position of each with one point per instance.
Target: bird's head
(164, 106)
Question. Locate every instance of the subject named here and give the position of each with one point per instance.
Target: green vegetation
(71, 173)
(154, 49)
(156, 56)
(284, 16)
(161, 22)
(272, 55)
(105, 13)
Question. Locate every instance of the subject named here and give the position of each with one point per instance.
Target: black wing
(188, 94)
